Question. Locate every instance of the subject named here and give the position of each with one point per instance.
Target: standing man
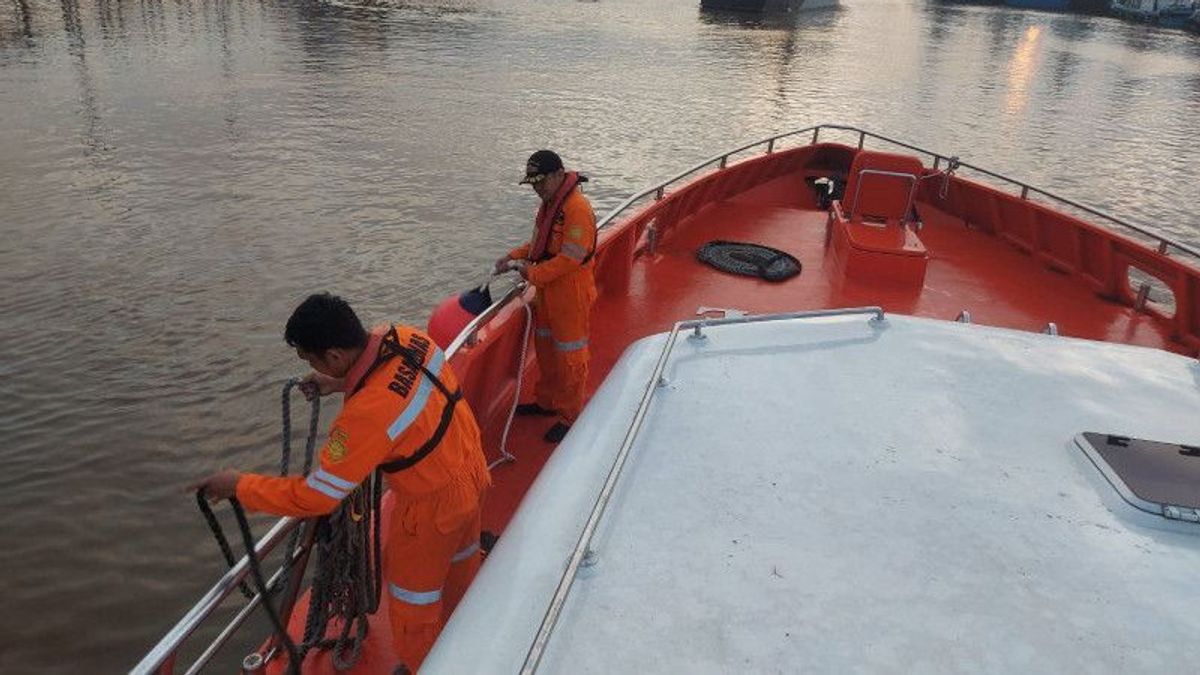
(558, 262)
(404, 414)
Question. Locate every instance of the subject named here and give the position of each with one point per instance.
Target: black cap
(541, 164)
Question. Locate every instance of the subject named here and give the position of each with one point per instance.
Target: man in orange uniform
(404, 414)
(558, 262)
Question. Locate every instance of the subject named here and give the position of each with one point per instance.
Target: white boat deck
(832, 495)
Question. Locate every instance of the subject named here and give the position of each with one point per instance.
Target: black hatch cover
(1167, 474)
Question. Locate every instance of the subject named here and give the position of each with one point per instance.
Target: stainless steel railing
(1164, 243)
(161, 659)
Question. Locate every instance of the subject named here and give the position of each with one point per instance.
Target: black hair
(324, 321)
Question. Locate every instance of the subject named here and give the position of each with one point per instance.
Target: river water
(175, 175)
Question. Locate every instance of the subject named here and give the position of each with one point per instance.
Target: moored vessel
(1171, 13)
(1053, 5)
(766, 6)
(823, 435)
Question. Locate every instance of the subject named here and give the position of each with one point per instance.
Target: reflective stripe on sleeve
(415, 597)
(336, 481)
(465, 553)
(420, 399)
(570, 346)
(574, 251)
(544, 332)
(314, 482)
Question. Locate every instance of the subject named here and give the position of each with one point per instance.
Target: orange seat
(870, 237)
(881, 187)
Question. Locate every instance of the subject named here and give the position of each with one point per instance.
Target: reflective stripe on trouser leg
(571, 346)
(415, 597)
(466, 552)
(416, 563)
(464, 565)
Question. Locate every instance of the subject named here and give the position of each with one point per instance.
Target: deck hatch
(1154, 476)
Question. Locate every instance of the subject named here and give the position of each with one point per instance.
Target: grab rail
(161, 658)
(467, 334)
(583, 545)
(1164, 242)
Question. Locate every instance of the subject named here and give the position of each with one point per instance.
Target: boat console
(872, 232)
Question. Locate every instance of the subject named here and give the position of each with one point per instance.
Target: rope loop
(348, 577)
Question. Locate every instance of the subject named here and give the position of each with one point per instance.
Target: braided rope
(219, 535)
(348, 578)
(505, 455)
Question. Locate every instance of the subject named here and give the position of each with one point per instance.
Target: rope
(310, 447)
(348, 545)
(348, 580)
(748, 259)
(222, 542)
(952, 165)
(505, 455)
(310, 444)
(295, 657)
(348, 577)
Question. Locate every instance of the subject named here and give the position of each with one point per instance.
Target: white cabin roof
(831, 495)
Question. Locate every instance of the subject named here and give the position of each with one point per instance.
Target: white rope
(505, 455)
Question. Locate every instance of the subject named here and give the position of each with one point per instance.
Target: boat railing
(163, 657)
(812, 135)
(1164, 243)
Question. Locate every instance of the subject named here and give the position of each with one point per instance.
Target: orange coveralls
(431, 546)
(562, 305)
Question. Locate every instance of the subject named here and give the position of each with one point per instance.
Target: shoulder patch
(335, 448)
(575, 232)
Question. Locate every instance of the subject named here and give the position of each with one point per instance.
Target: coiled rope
(752, 260)
(348, 576)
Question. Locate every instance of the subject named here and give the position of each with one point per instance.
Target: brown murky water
(176, 174)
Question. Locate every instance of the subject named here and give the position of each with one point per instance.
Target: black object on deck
(751, 260)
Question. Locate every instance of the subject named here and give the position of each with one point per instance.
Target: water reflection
(778, 37)
(112, 18)
(813, 19)
(24, 16)
(94, 132)
(1021, 69)
(174, 173)
(1072, 28)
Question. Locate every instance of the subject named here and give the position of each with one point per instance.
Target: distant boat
(1172, 13)
(1087, 6)
(766, 6)
(1057, 5)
